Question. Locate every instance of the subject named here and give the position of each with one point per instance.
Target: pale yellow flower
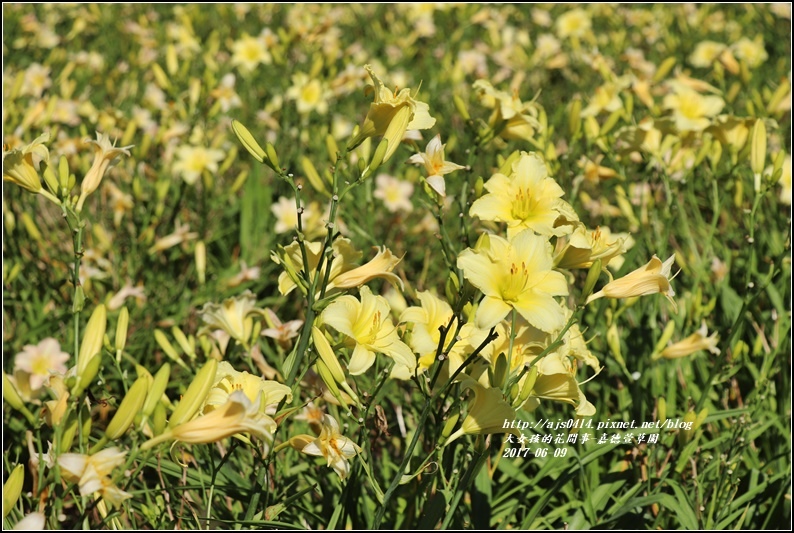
(309, 94)
(691, 110)
(121, 203)
(192, 161)
(574, 23)
(512, 118)
(92, 473)
(228, 380)
(344, 272)
(515, 274)
(584, 246)
(21, 165)
(180, 235)
(127, 291)
(250, 52)
(286, 214)
(246, 274)
(237, 415)
(556, 381)
(752, 53)
(330, 444)
(652, 278)
(700, 340)
(706, 53)
(41, 361)
(386, 113)
(232, 316)
(487, 413)
(105, 155)
(732, 131)
(369, 328)
(426, 321)
(527, 198)
(225, 94)
(31, 522)
(395, 193)
(435, 166)
(282, 332)
(606, 98)
(37, 80)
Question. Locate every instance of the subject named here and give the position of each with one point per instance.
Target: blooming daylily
(237, 415)
(584, 246)
(92, 473)
(691, 110)
(652, 278)
(228, 380)
(515, 274)
(330, 444)
(514, 119)
(21, 165)
(40, 361)
(232, 316)
(368, 326)
(391, 115)
(527, 198)
(427, 319)
(556, 380)
(435, 166)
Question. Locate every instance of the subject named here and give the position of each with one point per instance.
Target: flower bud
(129, 407)
(327, 355)
(460, 105)
(195, 394)
(248, 141)
(87, 375)
(331, 146)
(11, 395)
(592, 277)
(93, 338)
(661, 410)
(272, 157)
(313, 176)
(758, 152)
(121, 332)
(575, 118)
(156, 390)
(12, 488)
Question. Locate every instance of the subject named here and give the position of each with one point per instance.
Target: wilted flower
(127, 291)
(92, 473)
(281, 331)
(246, 274)
(584, 246)
(181, 234)
(435, 166)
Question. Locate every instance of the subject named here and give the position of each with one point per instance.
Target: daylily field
(397, 266)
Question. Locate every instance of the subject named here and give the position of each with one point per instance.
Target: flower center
(524, 204)
(516, 282)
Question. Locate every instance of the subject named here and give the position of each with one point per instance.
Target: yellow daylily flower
(691, 110)
(92, 473)
(527, 198)
(228, 380)
(104, 155)
(435, 166)
(700, 340)
(515, 274)
(237, 415)
(652, 278)
(21, 166)
(368, 326)
(330, 444)
(232, 316)
(344, 273)
(488, 413)
(556, 381)
(514, 119)
(393, 113)
(425, 335)
(584, 246)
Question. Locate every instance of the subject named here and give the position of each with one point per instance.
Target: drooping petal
(490, 312)
(361, 360)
